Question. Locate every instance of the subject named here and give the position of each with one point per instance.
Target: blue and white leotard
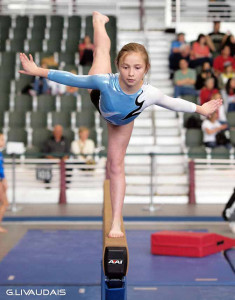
(2, 175)
(115, 106)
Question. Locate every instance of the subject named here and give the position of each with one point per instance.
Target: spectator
(200, 52)
(208, 91)
(216, 37)
(210, 128)
(57, 145)
(40, 84)
(230, 95)
(84, 147)
(72, 90)
(176, 57)
(220, 60)
(229, 40)
(206, 72)
(86, 51)
(226, 75)
(3, 185)
(184, 80)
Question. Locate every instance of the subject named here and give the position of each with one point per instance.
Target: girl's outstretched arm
(30, 68)
(66, 78)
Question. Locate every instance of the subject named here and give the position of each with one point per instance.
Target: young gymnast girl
(120, 99)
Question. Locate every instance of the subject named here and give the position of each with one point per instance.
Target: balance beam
(115, 255)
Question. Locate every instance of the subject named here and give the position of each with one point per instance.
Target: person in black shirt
(57, 145)
(216, 37)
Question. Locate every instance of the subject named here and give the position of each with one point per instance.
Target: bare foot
(99, 17)
(115, 231)
(2, 230)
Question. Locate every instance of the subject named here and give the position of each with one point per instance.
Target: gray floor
(17, 229)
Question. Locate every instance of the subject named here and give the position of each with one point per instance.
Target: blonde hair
(134, 47)
(83, 128)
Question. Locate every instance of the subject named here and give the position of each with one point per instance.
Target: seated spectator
(86, 51)
(57, 145)
(229, 95)
(210, 128)
(229, 40)
(40, 85)
(208, 91)
(184, 80)
(226, 74)
(84, 146)
(216, 37)
(206, 72)
(176, 51)
(220, 60)
(200, 52)
(72, 90)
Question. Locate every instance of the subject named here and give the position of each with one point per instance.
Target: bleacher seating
(24, 117)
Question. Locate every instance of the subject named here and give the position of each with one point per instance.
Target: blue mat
(230, 255)
(93, 293)
(69, 257)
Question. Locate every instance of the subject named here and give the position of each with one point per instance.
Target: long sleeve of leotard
(80, 81)
(158, 98)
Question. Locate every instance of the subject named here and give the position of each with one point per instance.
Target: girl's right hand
(29, 66)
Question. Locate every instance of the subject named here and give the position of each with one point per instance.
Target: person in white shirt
(210, 127)
(84, 147)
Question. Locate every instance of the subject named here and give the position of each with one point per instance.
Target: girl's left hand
(209, 107)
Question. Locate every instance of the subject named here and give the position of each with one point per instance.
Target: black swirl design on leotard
(135, 112)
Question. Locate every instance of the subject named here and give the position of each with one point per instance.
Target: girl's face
(132, 68)
(2, 141)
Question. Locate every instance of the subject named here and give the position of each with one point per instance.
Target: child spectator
(206, 72)
(220, 60)
(3, 185)
(184, 80)
(86, 49)
(200, 52)
(210, 128)
(208, 91)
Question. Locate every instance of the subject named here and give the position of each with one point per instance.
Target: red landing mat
(190, 244)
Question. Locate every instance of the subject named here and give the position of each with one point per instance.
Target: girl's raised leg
(101, 62)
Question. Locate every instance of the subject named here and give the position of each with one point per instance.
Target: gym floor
(54, 219)
(16, 229)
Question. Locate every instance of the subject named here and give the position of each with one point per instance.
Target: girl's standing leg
(118, 139)
(3, 204)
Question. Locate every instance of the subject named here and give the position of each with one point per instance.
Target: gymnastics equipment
(189, 244)
(115, 256)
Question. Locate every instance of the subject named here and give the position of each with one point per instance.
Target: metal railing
(34, 180)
